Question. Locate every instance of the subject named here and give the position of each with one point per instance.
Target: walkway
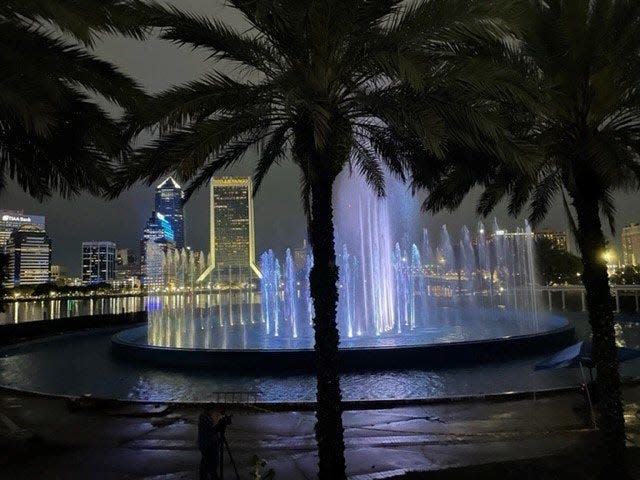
(44, 438)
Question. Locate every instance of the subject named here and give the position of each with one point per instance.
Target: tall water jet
(390, 286)
(290, 294)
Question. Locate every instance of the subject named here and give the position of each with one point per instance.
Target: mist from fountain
(389, 285)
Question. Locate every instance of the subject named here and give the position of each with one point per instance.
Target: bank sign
(17, 219)
(11, 218)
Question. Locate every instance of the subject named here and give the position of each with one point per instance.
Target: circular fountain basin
(202, 342)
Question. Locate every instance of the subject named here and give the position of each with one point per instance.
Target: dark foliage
(556, 266)
(54, 137)
(47, 288)
(627, 275)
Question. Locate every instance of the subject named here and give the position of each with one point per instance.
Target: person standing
(209, 445)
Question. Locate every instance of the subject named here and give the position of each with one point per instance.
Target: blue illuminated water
(393, 283)
(239, 325)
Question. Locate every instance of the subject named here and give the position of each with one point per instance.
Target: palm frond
(198, 31)
(83, 19)
(542, 196)
(274, 151)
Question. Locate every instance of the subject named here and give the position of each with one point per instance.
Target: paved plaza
(51, 438)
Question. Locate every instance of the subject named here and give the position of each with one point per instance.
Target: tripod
(224, 444)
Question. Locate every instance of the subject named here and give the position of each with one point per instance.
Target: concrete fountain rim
(131, 344)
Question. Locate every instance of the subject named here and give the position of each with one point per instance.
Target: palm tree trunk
(592, 245)
(324, 291)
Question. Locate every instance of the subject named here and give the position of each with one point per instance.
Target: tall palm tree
(586, 54)
(53, 134)
(326, 84)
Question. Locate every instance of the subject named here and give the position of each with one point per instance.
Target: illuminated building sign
(11, 220)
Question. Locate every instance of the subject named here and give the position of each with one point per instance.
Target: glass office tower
(169, 202)
(157, 241)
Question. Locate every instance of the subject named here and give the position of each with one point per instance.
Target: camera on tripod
(224, 421)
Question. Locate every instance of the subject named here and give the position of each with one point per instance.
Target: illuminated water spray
(389, 285)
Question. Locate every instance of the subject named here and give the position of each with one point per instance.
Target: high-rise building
(156, 243)
(560, 240)
(127, 267)
(13, 219)
(169, 202)
(300, 255)
(125, 257)
(29, 250)
(98, 262)
(631, 244)
(232, 237)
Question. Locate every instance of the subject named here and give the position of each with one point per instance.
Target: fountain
(400, 301)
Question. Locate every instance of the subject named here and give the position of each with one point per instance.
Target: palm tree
(326, 84)
(53, 134)
(586, 55)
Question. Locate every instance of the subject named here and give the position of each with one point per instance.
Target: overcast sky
(279, 222)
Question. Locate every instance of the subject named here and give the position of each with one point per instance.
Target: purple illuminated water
(391, 284)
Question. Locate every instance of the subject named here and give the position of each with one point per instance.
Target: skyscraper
(125, 257)
(156, 242)
(98, 262)
(169, 200)
(232, 237)
(29, 250)
(300, 255)
(127, 267)
(13, 219)
(58, 274)
(560, 240)
(631, 244)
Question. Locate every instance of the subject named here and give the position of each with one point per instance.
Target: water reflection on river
(32, 310)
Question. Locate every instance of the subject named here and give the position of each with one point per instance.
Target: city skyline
(66, 253)
(157, 65)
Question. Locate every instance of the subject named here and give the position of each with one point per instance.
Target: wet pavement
(45, 438)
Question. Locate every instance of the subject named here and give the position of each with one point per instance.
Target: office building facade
(631, 244)
(560, 240)
(58, 274)
(169, 202)
(157, 242)
(98, 262)
(10, 220)
(125, 257)
(300, 255)
(232, 235)
(29, 251)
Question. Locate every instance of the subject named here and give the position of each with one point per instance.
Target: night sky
(279, 222)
